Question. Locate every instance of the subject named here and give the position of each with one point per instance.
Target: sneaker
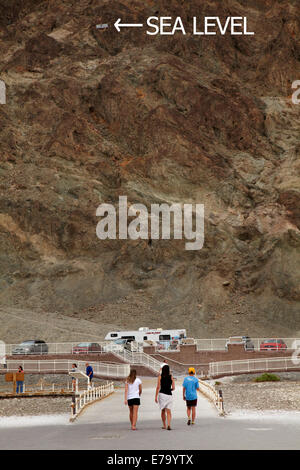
(193, 422)
(189, 422)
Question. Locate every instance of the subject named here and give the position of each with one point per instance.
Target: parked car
(32, 346)
(245, 340)
(249, 346)
(188, 341)
(85, 348)
(273, 345)
(118, 345)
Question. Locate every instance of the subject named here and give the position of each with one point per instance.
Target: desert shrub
(266, 377)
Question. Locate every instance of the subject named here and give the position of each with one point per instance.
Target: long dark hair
(132, 376)
(165, 372)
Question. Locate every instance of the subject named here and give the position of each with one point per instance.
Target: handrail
(81, 400)
(213, 395)
(202, 344)
(140, 358)
(65, 348)
(64, 366)
(219, 344)
(223, 368)
(180, 363)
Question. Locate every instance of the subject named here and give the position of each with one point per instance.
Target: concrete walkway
(105, 425)
(149, 413)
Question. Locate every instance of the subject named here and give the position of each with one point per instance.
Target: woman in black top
(163, 395)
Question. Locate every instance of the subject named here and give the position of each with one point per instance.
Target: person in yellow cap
(190, 386)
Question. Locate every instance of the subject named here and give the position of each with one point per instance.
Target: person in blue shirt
(190, 386)
(89, 372)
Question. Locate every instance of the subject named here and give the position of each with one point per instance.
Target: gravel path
(242, 393)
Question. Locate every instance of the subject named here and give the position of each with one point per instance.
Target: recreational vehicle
(146, 334)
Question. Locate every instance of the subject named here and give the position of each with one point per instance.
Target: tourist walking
(190, 386)
(163, 396)
(133, 391)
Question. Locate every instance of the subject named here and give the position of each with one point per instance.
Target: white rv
(146, 334)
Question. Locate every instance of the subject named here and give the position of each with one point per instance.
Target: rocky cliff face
(94, 114)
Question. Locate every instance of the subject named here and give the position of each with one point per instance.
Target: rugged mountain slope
(94, 114)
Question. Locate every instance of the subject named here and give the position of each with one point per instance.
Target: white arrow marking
(118, 25)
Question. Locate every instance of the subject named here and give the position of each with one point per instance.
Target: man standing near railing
(20, 380)
(89, 372)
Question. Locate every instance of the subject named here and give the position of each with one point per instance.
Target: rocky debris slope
(95, 114)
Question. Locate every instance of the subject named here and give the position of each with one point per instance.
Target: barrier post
(73, 404)
(221, 400)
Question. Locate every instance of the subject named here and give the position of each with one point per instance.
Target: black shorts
(190, 403)
(134, 401)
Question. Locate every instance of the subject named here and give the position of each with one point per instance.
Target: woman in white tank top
(133, 391)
